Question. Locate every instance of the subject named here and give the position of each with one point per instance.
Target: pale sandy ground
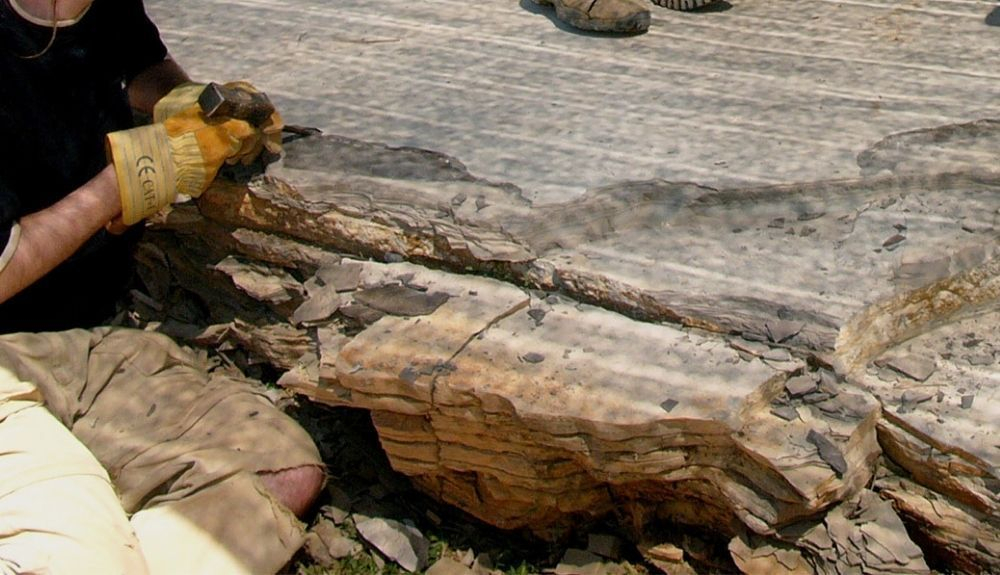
(764, 91)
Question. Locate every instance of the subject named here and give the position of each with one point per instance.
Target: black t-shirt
(54, 113)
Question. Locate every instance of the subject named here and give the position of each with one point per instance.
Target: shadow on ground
(993, 18)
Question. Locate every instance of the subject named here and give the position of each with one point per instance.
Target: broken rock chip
(261, 282)
(533, 357)
(828, 451)
(862, 535)
(448, 566)
(320, 305)
(326, 543)
(767, 559)
(397, 541)
(401, 300)
(913, 397)
(800, 385)
(667, 557)
(341, 277)
(912, 366)
(786, 412)
(604, 545)
(361, 314)
(893, 242)
(580, 562)
(780, 331)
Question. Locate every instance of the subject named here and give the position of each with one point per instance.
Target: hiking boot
(683, 4)
(603, 15)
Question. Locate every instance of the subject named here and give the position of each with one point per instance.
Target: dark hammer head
(218, 101)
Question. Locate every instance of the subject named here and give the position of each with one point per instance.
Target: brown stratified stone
(722, 373)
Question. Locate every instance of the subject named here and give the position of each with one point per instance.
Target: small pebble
(532, 357)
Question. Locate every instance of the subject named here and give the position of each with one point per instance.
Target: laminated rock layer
(737, 359)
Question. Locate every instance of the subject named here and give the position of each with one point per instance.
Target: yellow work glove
(185, 96)
(180, 98)
(181, 155)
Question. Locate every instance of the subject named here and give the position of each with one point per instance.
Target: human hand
(186, 96)
(181, 155)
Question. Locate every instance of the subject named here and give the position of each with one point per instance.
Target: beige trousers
(181, 446)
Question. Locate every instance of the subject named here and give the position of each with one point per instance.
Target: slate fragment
(261, 282)
(780, 331)
(980, 359)
(828, 451)
(848, 407)
(752, 347)
(786, 412)
(808, 216)
(399, 542)
(766, 559)
(778, 354)
(320, 305)
(342, 277)
(893, 242)
(912, 366)
(401, 300)
(537, 314)
(800, 385)
(579, 562)
(448, 566)
(607, 546)
(361, 314)
(533, 357)
(409, 374)
(912, 397)
(340, 504)
(668, 558)
(326, 543)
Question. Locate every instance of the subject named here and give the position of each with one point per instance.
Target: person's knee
(295, 488)
(59, 511)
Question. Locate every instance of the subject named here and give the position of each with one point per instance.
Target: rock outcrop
(804, 369)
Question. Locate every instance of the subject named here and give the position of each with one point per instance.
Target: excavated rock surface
(733, 359)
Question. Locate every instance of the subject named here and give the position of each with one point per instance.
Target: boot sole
(683, 4)
(579, 20)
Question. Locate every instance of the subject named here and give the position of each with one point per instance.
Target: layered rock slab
(841, 268)
(932, 243)
(941, 402)
(527, 411)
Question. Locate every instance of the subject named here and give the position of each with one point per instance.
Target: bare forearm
(50, 236)
(153, 83)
